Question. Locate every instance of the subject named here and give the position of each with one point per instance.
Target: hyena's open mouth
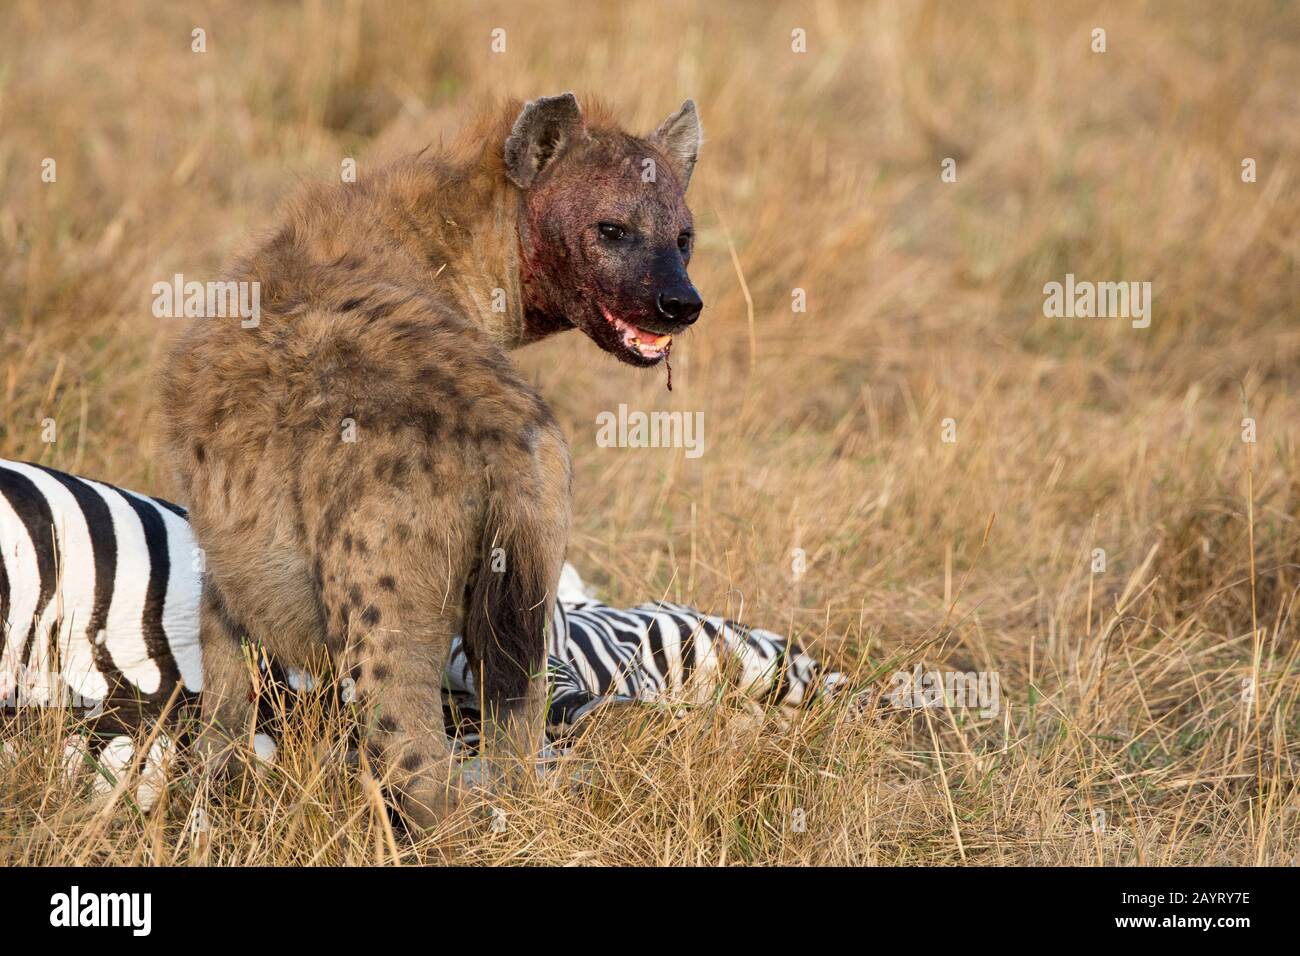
(644, 343)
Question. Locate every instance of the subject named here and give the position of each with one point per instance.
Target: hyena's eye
(612, 231)
(684, 242)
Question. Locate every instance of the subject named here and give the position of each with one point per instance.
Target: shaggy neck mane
(444, 219)
(501, 225)
(460, 217)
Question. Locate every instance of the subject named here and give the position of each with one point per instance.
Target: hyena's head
(606, 236)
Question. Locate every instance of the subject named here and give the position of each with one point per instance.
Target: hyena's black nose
(680, 306)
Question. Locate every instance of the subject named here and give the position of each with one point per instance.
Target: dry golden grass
(1122, 691)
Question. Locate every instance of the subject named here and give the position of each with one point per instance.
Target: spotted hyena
(367, 470)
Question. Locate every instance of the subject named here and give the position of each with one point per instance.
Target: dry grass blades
(1148, 711)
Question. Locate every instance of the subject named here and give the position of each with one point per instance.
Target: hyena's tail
(513, 595)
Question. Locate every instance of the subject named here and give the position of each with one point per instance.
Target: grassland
(1122, 690)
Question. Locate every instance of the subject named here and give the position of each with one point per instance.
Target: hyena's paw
(424, 803)
(416, 776)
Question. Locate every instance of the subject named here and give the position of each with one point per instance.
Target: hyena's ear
(546, 127)
(679, 136)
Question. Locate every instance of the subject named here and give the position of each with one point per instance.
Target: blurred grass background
(821, 172)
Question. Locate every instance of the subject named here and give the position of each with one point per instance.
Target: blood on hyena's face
(607, 236)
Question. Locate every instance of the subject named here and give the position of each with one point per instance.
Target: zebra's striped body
(99, 597)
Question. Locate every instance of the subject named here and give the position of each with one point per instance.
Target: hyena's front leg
(393, 676)
(226, 703)
(389, 577)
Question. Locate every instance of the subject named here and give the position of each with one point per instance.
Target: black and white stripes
(654, 653)
(99, 598)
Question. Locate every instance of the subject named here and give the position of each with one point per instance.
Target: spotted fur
(99, 651)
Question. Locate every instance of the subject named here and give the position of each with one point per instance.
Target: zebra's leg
(226, 702)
